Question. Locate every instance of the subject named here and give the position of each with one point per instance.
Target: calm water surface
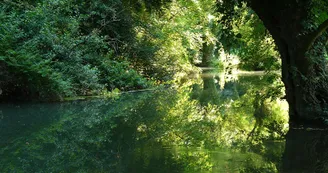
(200, 127)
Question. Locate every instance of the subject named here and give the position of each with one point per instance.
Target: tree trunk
(283, 19)
(209, 93)
(207, 60)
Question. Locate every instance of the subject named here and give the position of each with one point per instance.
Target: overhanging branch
(316, 34)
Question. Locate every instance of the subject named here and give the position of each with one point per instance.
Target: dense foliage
(54, 49)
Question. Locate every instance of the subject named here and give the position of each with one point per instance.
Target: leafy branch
(316, 34)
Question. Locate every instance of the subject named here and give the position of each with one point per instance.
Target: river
(200, 126)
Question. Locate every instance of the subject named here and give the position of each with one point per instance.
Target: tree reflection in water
(160, 131)
(306, 151)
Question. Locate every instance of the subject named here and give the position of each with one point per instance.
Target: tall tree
(299, 30)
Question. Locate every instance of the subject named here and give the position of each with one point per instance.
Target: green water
(188, 129)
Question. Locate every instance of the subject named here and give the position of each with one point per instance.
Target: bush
(54, 49)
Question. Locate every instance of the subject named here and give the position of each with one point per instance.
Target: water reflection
(202, 126)
(306, 151)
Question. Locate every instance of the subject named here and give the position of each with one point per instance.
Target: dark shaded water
(194, 128)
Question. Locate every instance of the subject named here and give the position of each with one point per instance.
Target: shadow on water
(306, 151)
(202, 127)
